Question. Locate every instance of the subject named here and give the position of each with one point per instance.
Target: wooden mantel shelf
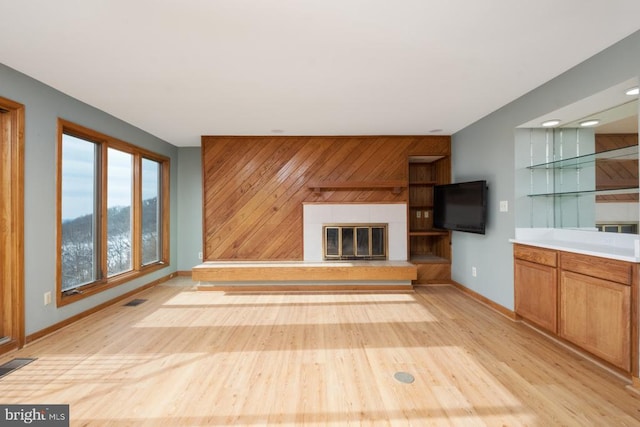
(396, 187)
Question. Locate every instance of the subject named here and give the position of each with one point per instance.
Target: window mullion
(137, 213)
(101, 200)
(164, 197)
(164, 211)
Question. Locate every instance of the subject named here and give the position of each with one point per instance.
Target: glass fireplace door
(355, 241)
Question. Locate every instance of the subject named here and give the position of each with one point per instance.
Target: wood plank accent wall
(611, 141)
(616, 173)
(254, 186)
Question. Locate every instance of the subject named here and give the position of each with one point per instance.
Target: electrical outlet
(426, 214)
(474, 272)
(418, 214)
(504, 206)
(200, 256)
(47, 298)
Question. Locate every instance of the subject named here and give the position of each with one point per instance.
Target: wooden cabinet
(595, 306)
(536, 286)
(429, 249)
(595, 314)
(583, 299)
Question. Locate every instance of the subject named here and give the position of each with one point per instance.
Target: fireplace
(354, 241)
(318, 215)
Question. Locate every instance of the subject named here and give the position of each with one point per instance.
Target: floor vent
(135, 302)
(404, 377)
(14, 364)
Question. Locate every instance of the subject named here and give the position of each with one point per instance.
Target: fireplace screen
(355, 241)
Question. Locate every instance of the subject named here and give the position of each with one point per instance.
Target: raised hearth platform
(304, 275)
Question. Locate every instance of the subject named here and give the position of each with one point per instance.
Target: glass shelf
(626, 153)
(629, 190)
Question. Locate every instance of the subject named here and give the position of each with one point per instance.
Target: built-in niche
(581, 173)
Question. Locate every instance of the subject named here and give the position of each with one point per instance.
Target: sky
(78, 168)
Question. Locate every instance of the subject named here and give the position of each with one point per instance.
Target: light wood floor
(187, 358)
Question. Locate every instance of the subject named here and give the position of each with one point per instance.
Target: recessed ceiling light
(435, 130)
(277, 131)
(550, 123)
(633, 91)
(588, 123)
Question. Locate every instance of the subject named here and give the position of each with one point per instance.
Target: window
(112, 214)
(79, 239)
(629, 228)
(119, 202)
(151, 247)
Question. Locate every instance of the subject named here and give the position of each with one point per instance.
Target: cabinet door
(595, 314)
(536, 290)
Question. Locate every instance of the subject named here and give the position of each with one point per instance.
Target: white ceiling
(185, 68)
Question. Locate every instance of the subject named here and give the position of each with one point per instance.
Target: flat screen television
(461, 206)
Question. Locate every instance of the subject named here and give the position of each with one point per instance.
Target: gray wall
(43, 106)
(189, 207)
(485, 150)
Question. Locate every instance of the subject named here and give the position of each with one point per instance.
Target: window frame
(103, 281)
(160, 209)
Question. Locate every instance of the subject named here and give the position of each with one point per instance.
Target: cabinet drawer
(602, 268)
(538, 255)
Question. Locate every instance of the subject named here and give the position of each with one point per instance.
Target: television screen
(461, 206)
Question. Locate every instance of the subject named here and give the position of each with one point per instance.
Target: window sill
(101, 286)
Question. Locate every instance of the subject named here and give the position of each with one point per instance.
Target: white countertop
(624, 247)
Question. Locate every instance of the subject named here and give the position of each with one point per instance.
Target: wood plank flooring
(187, 358)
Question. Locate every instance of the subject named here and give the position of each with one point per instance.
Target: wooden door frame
(13, 246)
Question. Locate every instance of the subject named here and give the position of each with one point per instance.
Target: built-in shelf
(608, 192)
(429, 233)
(428, 259)
(395, 187)
(429, 248)
(626, 153)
